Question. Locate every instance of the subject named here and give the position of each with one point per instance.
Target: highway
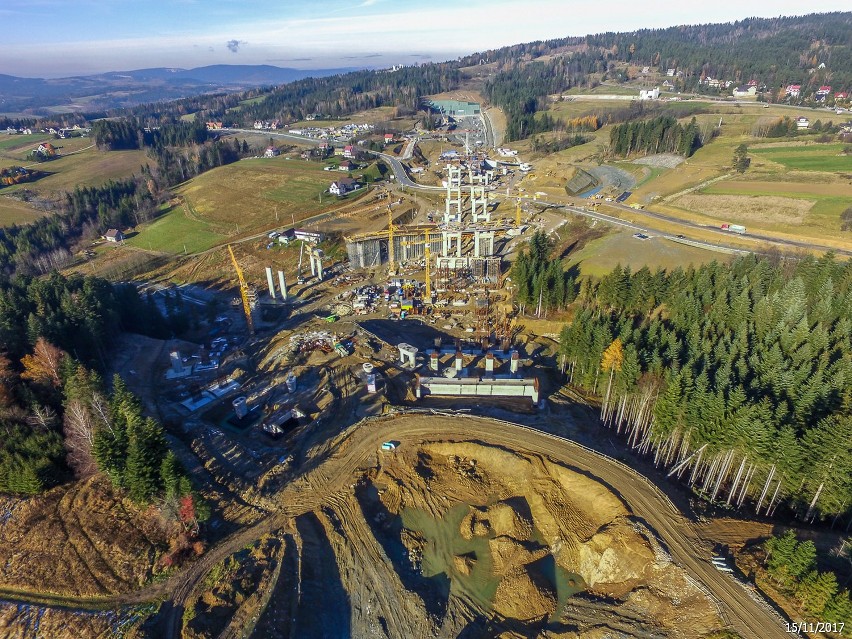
(404, 180)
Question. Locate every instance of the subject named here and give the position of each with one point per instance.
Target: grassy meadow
(176, 231)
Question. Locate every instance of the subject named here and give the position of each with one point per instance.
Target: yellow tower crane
(427, 253)
(391, 260)
(244, 291)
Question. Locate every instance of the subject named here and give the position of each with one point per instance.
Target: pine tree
(816, 590)
(146, 447)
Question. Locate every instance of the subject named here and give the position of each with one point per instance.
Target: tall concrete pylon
(270, 281)
(283, 285)
(453, 213)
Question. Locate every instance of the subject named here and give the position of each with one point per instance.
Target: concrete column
(433, 361)
(459, 362)
(514, 361)
(319, 268)
(283, 285)
(270, 281)
(479, 205)
(313, 264)
(489, 363)
(476, 237)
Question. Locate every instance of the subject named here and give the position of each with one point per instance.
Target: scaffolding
(485, 271)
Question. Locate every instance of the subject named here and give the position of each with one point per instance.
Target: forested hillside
(738, 379)
(774, 51)
(50, 328)
(811, 50)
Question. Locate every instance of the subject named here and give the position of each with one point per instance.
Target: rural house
(343, 186)
(114, 235)
(745, 91)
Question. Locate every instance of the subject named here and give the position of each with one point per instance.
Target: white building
(650, 94)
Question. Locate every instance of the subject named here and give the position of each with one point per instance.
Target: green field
(16, 212)
(175, 232)
(242, 103)
(28, 142)
(252, 192)
(813, 157)
(600, 256)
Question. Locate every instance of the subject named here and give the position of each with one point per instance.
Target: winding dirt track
(746, 616)
(361, 442)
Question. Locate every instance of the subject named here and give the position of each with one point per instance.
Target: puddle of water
(444, 543)
(588, 194)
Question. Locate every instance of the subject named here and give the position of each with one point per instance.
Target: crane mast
(427, 253)
(391, 265)
(244, 292)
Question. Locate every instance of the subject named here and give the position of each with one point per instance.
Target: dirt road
(357, 448)
(751, 619)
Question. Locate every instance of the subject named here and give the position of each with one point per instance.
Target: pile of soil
(536, 518)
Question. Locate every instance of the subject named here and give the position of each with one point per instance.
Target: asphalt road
(403, 179)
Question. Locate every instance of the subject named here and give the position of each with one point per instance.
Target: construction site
(327, 412)
(387, 452)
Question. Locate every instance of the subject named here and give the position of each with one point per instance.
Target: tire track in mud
(359, 444)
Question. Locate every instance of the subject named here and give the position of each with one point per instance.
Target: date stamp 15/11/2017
(809, 627)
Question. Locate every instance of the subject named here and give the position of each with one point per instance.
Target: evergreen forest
(792, 566)
(736, 379)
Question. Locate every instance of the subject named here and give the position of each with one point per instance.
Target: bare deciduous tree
(44, 364)
(79, 427)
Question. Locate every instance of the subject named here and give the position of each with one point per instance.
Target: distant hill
(117, 89)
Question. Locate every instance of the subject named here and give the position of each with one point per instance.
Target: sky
(55, 38)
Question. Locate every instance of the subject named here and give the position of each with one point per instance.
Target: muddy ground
(469, 540)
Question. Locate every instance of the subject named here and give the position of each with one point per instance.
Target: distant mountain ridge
(113, 89)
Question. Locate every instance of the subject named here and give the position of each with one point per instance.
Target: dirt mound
(614, 559)
(464, 563)
(505, 518)
(507, 553)
(525, 593)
